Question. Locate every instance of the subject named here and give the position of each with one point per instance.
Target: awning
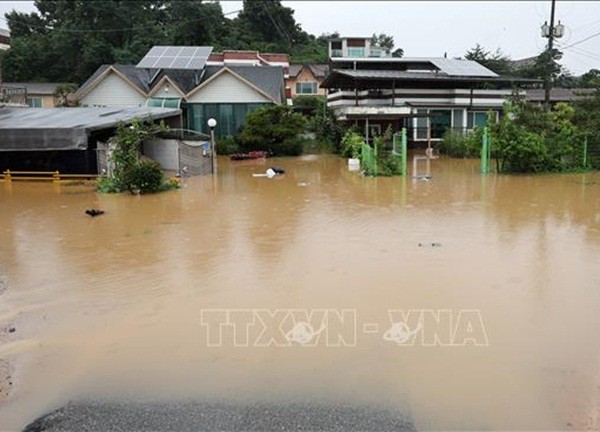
(39, 129)
(164, 102)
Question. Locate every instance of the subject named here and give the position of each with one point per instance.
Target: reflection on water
(110, 307)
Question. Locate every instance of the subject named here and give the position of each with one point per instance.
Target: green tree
(274, 128)
(497, 61)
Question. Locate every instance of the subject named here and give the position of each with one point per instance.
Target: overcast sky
(431, 28)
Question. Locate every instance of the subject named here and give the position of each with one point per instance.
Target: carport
(65, 139)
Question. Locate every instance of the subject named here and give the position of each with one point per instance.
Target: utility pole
(550, 31)
(548, 82)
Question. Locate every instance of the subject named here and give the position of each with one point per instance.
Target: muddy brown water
(111, 307)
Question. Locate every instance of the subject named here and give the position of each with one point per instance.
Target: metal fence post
(484, 151)
(404, 147)
(585, 149)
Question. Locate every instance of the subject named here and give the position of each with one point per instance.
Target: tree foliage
(273, 128)
(67, 40)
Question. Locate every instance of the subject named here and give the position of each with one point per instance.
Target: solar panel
(176, 57)
(456, 67)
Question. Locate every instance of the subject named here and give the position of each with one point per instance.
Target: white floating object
(354, 164)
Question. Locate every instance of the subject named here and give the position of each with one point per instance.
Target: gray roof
(65, 128)
(454, 67)
(269, 79)
(34, 88)
(318, 70)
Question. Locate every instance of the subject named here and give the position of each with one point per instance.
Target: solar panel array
(176, 57)
(456, 67)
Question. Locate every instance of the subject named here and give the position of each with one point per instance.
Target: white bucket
(354, 164)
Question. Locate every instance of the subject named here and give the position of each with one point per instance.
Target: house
(306, 79)
(339, 47)
(35, 95)
(427, 95)
(219, 88)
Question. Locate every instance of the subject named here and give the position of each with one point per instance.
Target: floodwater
(115, 307)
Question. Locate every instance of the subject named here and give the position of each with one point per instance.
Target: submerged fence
(383, 160)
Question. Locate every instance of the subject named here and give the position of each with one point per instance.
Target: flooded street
(114, 307)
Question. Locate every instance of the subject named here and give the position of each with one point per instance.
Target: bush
(530, 140)
(328, 131)
(128, 173)
(461, 145)
(351, 145)
(146, 176)
(274, 128)
(227, 145)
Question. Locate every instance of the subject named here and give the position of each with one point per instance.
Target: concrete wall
(165, 152)
(113, 91)
(227, 88)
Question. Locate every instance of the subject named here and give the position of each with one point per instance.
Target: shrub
(227, 145)
(328, 131)
(351, 145)
(127, 173)
(462, 145)
(146, 176)
(274, 128)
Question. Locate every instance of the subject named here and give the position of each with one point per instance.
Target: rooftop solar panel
(175, 57)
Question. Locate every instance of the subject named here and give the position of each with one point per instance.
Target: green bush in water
(351, 145)
(458, 144)
(227, 145)
(146, 176)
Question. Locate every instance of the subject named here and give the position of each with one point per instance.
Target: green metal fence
(584, 153)
(368, 159)
(399, 151)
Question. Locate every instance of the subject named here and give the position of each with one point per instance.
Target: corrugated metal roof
(82, 118)
(455, 67)
(28, 129)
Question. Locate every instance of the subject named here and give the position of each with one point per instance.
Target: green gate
(368, 159)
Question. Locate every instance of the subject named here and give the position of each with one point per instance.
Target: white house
(224, 92)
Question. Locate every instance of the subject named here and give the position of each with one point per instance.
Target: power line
(581, 41)
(8, 20)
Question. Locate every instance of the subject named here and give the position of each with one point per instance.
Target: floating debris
(430, 245)
(94, 212)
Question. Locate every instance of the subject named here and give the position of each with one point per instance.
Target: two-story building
(427, 95)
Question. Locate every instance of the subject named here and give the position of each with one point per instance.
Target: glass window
(34, 102)
(356, 52)
(476, 119)
(421, 124)
(306, 87)
(440, 121)
(458, 117)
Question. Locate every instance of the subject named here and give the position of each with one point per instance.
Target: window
(356, 52)
(336, 49)
(306, 87)
(230, 117)
(479, 118)
(34, 102)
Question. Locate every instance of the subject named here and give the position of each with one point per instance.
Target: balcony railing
(337, 53)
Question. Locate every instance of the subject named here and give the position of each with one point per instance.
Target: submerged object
(260, 154)
(277, 170)
(94, 212)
